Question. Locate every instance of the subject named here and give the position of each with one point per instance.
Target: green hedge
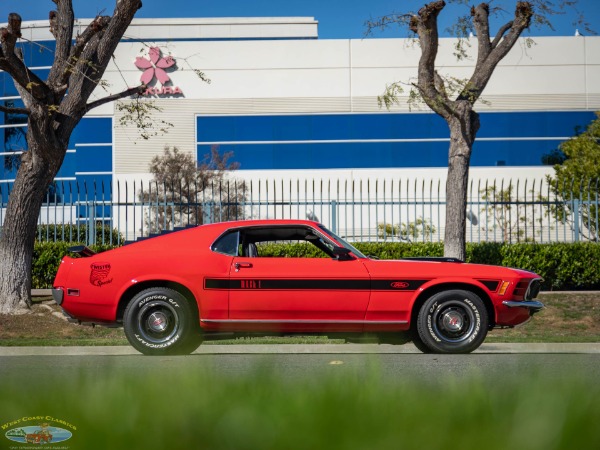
(563, 266)
(46, 258)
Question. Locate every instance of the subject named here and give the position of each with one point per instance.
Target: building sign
(155, 67)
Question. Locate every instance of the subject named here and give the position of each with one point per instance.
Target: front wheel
(453, 321)
(161, 321)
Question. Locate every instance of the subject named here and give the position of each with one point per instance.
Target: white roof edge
(197, 28)
(187, 21)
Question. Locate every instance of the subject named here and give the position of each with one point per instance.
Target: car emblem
(399, 285)
(99, 274)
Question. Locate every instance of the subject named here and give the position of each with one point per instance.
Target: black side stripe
(313, 284)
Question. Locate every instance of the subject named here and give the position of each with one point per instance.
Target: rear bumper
(58, 295)
(532, 305)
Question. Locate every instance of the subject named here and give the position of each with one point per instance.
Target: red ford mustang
(172, 291)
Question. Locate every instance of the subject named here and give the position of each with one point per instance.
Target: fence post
(334, 216)
(207, 212)
(92, 224)
(576, 218)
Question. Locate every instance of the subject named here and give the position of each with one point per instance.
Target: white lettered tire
(454, 321)
(161, 321)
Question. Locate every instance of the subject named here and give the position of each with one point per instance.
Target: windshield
(343, 242)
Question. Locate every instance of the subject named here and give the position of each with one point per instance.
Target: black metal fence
(369, 210)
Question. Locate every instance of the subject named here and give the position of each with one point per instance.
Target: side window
(291, 249)
(283, 242)
(227, 244)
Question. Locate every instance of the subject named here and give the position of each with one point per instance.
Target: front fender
(447, 283)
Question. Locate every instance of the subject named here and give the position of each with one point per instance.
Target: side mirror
(342, 254)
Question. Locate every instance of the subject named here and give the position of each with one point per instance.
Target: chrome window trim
(316, 230)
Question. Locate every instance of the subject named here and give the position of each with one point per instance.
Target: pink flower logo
(154, 66)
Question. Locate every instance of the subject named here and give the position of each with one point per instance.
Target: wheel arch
(135, 289)
(432, 290)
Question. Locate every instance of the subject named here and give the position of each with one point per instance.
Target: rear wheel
(161, 321)
(453, 321)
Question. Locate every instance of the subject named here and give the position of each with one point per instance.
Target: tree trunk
(39, 165)
(463, 128)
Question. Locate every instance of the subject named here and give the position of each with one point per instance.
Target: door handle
(242, 265)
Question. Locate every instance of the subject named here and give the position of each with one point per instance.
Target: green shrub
(46, 259)
(296, 250)
(485, 253)
(397, 250)
(563, 266)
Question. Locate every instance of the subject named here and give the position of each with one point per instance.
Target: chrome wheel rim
(158, 322)
(453, 321)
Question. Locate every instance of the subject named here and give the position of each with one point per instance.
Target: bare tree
(183, 192)
(454, 99)
(79, 64)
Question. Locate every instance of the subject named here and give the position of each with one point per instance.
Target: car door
(298, 290)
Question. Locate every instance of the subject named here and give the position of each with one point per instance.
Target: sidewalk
(267, 349)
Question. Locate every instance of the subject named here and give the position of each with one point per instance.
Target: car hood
(438, 269)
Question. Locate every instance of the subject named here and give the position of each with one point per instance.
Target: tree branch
(522, 20)
(439, 85)
(121, 18)
(484, 69)
(501, 32)
(481, 14)
(426, 27)
(61, 27)
(102, 39)
(11, 110)
(14, 66)
(135, 90)
(383, 22)
(98, 25)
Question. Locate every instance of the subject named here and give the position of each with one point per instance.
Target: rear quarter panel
(103, 279)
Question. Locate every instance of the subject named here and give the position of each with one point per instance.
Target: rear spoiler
(82, 250)
(162, 233)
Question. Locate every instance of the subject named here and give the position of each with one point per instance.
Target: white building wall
(327, 76)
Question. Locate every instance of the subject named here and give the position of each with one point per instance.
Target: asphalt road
(385, 367)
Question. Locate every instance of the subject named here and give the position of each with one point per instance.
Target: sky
(338, 19)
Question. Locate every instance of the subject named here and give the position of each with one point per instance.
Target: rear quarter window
(227, 244)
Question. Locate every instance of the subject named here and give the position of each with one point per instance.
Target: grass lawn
(200, 409)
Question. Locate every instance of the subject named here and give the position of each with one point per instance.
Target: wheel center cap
(453, 321)
(158, 322)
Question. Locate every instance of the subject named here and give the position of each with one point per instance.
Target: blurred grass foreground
(204, 410)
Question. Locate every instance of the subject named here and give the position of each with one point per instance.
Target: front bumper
(532, 305)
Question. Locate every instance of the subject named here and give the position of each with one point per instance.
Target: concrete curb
(267, 349)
